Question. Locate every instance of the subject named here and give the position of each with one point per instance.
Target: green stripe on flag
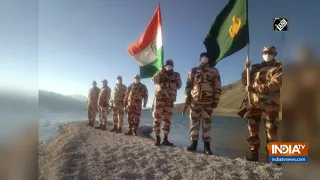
(149, 70)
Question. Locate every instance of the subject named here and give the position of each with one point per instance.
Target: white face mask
(267, 57)
(204, 60)
(169, 68)
(118, 81)
(136, 80)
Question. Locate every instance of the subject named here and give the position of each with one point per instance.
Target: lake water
(228, 133)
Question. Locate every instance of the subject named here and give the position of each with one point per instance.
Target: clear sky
(68, 44)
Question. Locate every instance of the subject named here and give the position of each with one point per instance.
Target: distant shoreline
(81, 152)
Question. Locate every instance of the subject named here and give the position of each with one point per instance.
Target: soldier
(103, 102)
(202, 93)
(92, 103)
(264, 89)
(117, 105)
(133, 103)
(167, 83)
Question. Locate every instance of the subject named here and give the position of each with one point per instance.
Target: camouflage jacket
(167, 85)
(93, 94)
(119, 93)
(266, 79)
(104, 97)
(203, 86)
(135, 94)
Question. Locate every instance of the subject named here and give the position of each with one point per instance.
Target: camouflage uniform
(103, 102)
(167, 83)
(117, 103)
(266, 80)
(203, 90)
(92, 104)
(133, 102)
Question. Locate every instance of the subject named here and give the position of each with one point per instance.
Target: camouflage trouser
(270, 121)
(92, 111)
(162, 111)
(103, 115)
(134, 114)
(196, 114)
(117, 115)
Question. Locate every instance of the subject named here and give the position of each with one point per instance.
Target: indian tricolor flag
(148, 51)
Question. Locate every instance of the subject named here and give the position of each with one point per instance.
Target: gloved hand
(250, 89)
(144, 105)
(162, 75)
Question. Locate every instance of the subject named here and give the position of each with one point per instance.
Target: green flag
(229, 32)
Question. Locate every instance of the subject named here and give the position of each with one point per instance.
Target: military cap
(169, 62)
(270, 49)
(105, 81)
(94, 82)
(119, 77)
(204, 54)
(137, 76)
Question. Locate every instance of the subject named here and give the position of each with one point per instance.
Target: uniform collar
(270, 63)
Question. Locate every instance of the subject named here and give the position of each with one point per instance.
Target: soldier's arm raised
(156, 78)
(275, 83)
(179, 83)
(216, 89)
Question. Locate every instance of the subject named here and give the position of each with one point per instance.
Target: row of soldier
(202, 95)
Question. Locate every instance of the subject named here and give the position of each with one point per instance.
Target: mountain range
(230, 100)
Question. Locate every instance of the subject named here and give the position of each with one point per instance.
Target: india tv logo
(288, 152)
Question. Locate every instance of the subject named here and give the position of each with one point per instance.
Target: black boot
(114, 128)
(157, 141)
(119, 130)
(193, 146)
(103, 127)
(254, 156)
(135, 132)
(89, 123)
(129, 132)
(166, 142)
(207, 149)
(98, 127)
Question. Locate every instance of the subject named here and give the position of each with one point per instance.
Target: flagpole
(161, 33)
(247, 60)
(248, 74)
(152, 107)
